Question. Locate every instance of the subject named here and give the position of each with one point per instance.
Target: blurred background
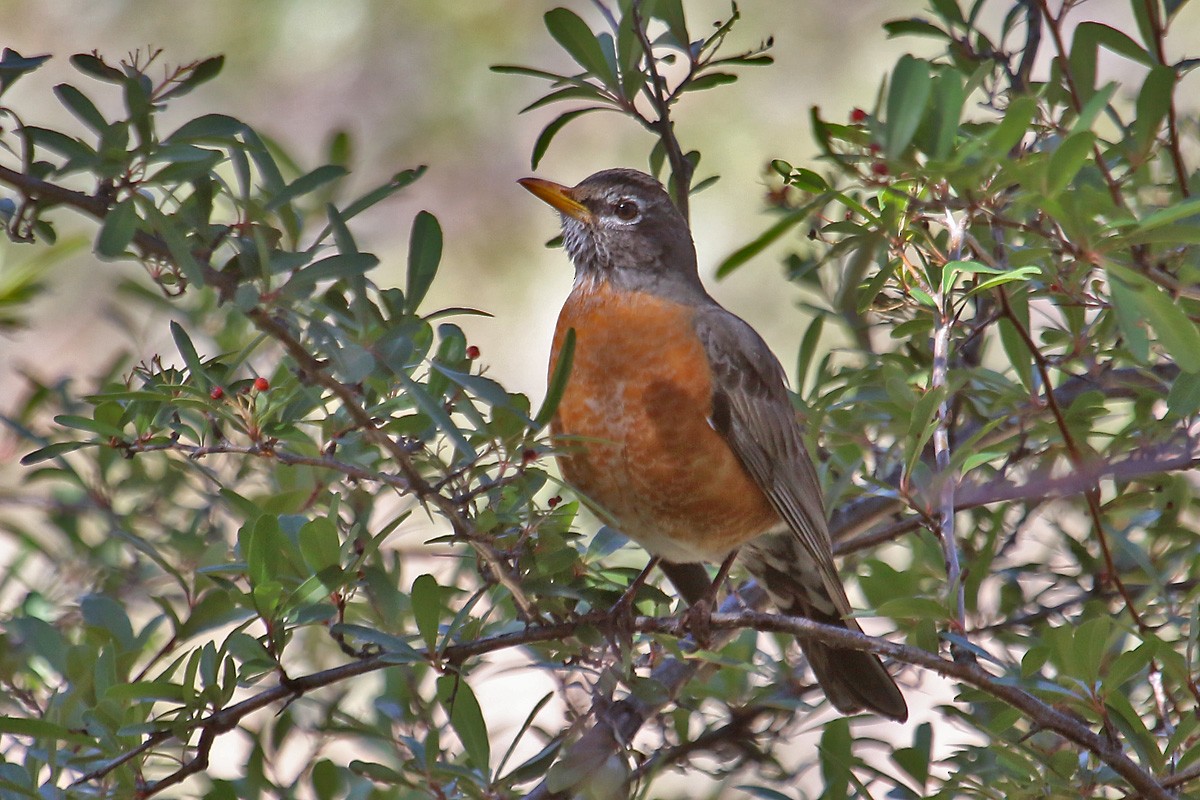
(410, 82)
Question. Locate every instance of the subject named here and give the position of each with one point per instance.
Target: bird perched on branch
(676, 425)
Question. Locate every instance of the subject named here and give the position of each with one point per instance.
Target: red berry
(528, 455)
(553, 501)
(472, 352)
(879, 168)
(217, 393)
(874, 147)
(858, 116)
(261, 384)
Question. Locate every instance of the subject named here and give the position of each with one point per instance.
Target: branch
(850, 533)
(681, 168)
(1041, 713)
(946, 476)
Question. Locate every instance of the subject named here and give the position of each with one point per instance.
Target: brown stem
(663, 127)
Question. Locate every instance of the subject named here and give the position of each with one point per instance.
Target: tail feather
(853, 680)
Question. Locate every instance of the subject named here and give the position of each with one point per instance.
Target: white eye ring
(627, 210)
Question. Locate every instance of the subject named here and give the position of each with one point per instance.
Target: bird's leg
(621, 612)
(696, 619)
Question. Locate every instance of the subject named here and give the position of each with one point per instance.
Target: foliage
(1000, 373)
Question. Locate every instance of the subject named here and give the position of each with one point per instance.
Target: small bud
(528, 455)
(217, 393)
(879, 168)
(858, 116)
(261, 384)
(554, 501)
(472, 352)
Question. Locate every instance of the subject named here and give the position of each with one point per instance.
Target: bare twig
(947, 477)
(663, 127)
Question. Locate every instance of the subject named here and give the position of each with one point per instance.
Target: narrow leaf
(573, 34)
(424, 255)
(550, 131)
(116, 232)
(558, 382)
(908, 96)
(83, 108)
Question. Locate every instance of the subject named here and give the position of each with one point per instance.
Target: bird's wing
(752, 412)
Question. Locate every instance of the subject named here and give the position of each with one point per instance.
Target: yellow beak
(559, 196)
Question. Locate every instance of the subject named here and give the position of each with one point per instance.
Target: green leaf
(1094, 34)
(95, 67)
(424, 255)
(336, 267)
(585, 92)
(210, 127)
(808, 351)
(573, 34)
(920, 425)
(432, 407)
(1174, 329)
(670, 12)
(186, 349)
(117, 230)
(53, 451)
(40, 729)
(913, 27)
(427, 609)
(13, 65)
(710, 80)
(203, 72)
(1093, 107)
(466, 717)
(769, 236)
(306, 184)
(558, 382)
(1067, 160)
(915, 760)
(908, 96)
(63, 145)
(320, 544)
(836, 758)
(1089, 644)
(1153, 103)
(1183, 400)
(948, 98)
(1130, 320)
(399, 181)
(83, 108)
(550, 131)
(486, 389)
(1010, 131)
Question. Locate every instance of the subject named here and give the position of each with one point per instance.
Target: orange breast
(634, 434)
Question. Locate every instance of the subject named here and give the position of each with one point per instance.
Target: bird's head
(620, 225)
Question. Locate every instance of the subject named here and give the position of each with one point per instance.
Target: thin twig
(681, 168)
(947, 477)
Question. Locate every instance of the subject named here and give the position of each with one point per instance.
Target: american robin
(676, 421)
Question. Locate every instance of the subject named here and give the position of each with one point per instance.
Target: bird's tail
(853, 680)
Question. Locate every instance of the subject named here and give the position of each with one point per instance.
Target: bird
(676, 426)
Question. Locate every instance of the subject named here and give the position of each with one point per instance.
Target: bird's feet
(697, 620)
(622, 614)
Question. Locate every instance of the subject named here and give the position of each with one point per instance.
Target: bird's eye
(627, 210)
